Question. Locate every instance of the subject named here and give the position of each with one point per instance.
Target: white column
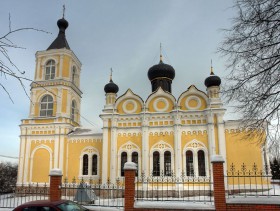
(222, 141)
(21, 160)
(61, 150)
(37, 74)
(105, 152)
(113, 165)
(90, 164)
(145, 147)
(26, 159)
(177, 148)
(60, 66)
(211, 133)
(56, 148)
(59, 102)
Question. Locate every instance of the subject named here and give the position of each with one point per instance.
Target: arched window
(201, 163)
(94, 165)
(50, 70)
(167, 163)
(134, 159)
(123, 161)
(156, 164)
(189, 163)
(85, 165)
(73, 108)
(46, 106)
(73, 74)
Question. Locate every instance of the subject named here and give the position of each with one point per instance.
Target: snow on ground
(173, 205)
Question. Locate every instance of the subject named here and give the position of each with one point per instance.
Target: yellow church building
(163, 134)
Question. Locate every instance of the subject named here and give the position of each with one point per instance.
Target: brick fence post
(219, 184)
(129, 189)
(55, 182)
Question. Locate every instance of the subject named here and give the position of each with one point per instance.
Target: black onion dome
(60, 41)
(111, 87)
(62, 24)
(161, 70)
(212, 80)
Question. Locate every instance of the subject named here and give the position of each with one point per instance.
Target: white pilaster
(21, 160)
(145, 146)
(27, 159)
(177, 143)
(60, 65)
(113, 166)
(105, 152)
(61, 149)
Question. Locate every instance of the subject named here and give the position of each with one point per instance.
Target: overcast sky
(121, 34)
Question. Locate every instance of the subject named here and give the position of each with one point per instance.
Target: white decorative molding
(193, 97)
(133, 109)
(158, 100)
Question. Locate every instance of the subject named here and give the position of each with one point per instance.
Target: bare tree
(8, 69)
(8, 176)
(252, 49)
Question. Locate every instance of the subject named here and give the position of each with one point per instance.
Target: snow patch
(254, 200)
(55, 172)
(217, 159)
(171, 205)
(130, 166)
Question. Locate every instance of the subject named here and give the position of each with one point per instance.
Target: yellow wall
(41, 166)
(199, 136)
(74, 153)
(193, 103)
(237, 145)
(66, 65)
(136, 139)
(160, 104)
(129, 106)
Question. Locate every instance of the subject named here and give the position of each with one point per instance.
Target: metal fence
(94, 193)
(250, 181)
(23, 193)
(172, 188)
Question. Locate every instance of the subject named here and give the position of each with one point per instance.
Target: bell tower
(54, 110)
(55, 92)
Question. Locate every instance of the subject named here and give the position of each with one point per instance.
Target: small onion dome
(111, 87)
(161, 70)
(212, 80)
(62, 24)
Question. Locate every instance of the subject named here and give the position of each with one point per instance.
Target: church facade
(165, 135)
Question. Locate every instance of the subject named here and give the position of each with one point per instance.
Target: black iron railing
(23, 193)
(172, 188)
(250, 181)
(94, 193)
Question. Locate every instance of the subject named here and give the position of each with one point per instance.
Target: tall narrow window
(201, 163)
(123, 161)
(94, 165)
(50, 70)
(73, 74)
(135, 160)
(189, 163)
(167, 163)
(85, 165)
(73, 108)
(156, 164)
(46, 106)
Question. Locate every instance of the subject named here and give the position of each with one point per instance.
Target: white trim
(160, 99)
(193, 97)
(195, 150)
(94, 151)
(161, 150)
(127, 102)
(129, 155)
